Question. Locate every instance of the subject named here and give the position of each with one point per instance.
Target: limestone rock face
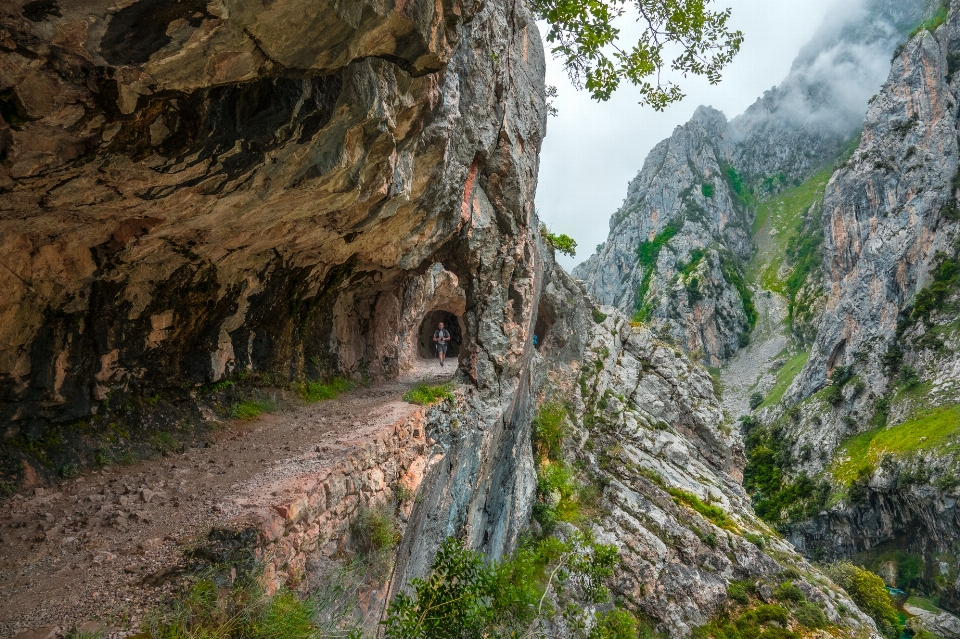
(884, 219)
(684, 217)
(696, 189)
(890, 228)
(648, 428)
(197, 191)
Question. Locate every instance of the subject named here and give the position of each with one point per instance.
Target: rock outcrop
(679, 244)
(198, 194)
(239, 197)
(648, 428)
(884, 361)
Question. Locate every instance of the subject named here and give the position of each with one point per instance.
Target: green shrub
(765, 621)
(562, 242)
(755, 400)
(811, 616)
(947, 482)
(714, 513)
(869, 593)
(615, 624)
(374, 532)
(757, 540)
(549, 429)
(463, 596)
(777, 498)
(909, 378)
(318, 391)
(738, 591)
(787, 591)
(424, 395)
(647, 254)
(252, 408)
(707, 190)
(732, 274)
(598, 317)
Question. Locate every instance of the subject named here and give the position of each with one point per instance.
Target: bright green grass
(783, 212)
(785, 377)
(923, 604)
(935, 429)
(423, 394)
(252, 408)
(317, 391)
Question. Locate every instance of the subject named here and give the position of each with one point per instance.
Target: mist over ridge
(822, 101)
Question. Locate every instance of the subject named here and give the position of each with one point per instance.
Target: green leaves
(465, 598)
(560, 242)
(583, 35)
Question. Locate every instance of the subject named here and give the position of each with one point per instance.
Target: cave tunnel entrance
(545, 319)
(451, 322)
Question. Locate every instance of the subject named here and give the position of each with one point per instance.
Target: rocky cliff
(647, 432)
(236, 196)
(876, 400)
(198, 196)
(679, 246)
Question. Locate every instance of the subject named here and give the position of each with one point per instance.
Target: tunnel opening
(425, 344)
(546, 316)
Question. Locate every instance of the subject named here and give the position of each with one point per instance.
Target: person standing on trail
(441, 336)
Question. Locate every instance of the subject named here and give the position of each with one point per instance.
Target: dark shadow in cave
(451, 322)
(546, 316)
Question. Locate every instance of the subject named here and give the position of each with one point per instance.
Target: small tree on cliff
(584, 37)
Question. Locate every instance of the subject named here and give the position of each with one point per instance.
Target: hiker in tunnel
(428, 336)
(441, 337)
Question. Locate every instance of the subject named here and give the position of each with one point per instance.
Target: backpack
(441, 334)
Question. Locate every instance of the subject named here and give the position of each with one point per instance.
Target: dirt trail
(86, 553)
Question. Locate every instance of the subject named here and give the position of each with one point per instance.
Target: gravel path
(97, 552)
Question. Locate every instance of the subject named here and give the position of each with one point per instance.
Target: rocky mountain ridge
(236, 206)
(679, 245)
(848, 393)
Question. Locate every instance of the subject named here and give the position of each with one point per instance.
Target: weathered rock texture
(883, 211)
(242, 195)
(890, 221)
(646, 424)
(703, 179)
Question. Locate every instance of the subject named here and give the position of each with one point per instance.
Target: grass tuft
(424, 395)
(714, 513)
(374, 532)
(252, 408)
(318, 391)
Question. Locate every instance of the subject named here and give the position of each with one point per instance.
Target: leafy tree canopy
(583, 35)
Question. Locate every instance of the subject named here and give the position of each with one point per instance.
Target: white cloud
(592, 150)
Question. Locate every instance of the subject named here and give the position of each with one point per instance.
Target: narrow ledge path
(96, 552)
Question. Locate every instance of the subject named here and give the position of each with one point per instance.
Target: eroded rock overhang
(198, 189)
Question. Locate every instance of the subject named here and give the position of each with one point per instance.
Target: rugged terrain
(846, 390)
(680, 243)
(207, 206)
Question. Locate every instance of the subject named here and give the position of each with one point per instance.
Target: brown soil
(101, 550)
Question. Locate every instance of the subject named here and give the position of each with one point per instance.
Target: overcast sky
(593, 149)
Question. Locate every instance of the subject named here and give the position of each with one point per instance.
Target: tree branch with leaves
(584, 36)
